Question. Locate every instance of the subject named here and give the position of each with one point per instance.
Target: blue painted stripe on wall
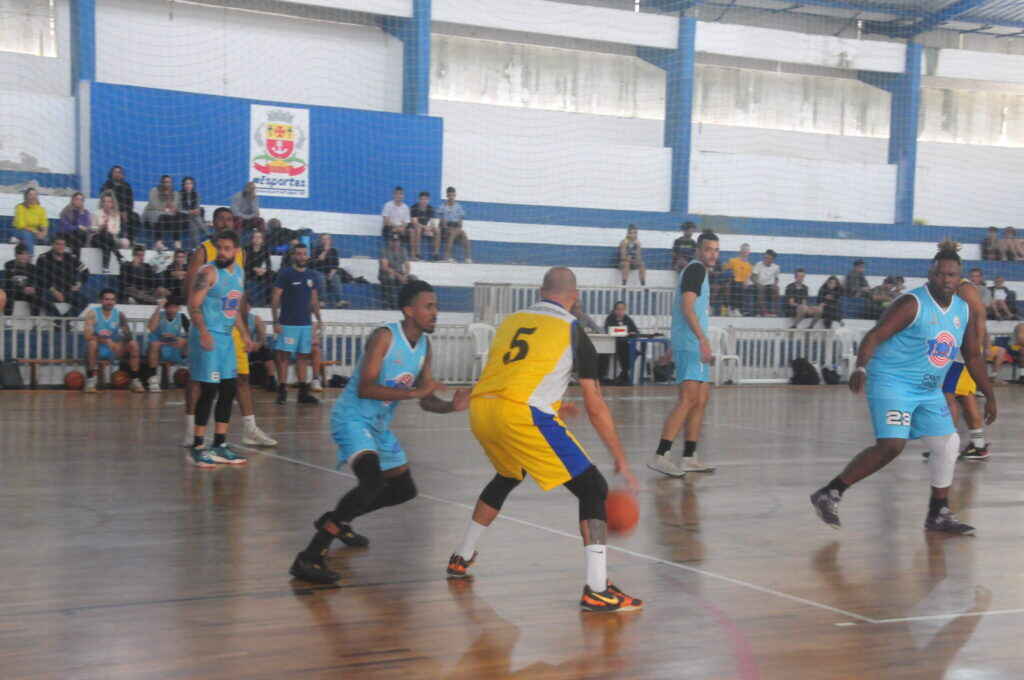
(45, 179)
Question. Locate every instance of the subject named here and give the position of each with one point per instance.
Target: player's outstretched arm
(369, 371)
(433, 403)
(900, 315)
(974, 359)
(601, 418)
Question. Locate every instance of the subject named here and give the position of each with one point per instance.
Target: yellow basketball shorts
(521, 439)
(241, 356)
(959, 381)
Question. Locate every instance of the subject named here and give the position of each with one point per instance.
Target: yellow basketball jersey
(211, 253)
(531, 358)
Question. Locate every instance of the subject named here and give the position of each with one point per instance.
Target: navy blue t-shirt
(296, 296)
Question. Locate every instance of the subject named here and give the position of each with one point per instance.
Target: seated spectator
(1011, 247)
(394, 270)
(75, 223)
(278, 237)
(996, 356)
(828, 297)
(162, 216)
(797, 306)
(684, 247)
(30, 222)
(856, 285)
(259, 274)
(618, 317)
(122, 192)
(325, 263)
(423, 224)
(976, 277)
(62, 275)
(1016, 348)
(719, 283)
(262, 355)
(139, 281)
(168, 343)
(246, 207)
(107, 236)
(998, 308)
(765, 276)
(21, 282)
(741, 271)
(109, 338)
(631, 256)
(396, 216)
(990, 246)
(174, 275)
(453, 228)
(588, 324)
(884, 295)
(190, 204)
(1002, 294)
(160, 259)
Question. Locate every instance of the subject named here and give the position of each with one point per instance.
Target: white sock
(249, 422)
(977, 437)
(190, 423)
(597, 567)
(473, 533)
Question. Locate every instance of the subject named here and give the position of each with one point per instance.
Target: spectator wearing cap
(766, 283)
(990, 246)
(395, 216)
(797, 306)
(741, 270)
(139, 280)
(856, 284)
(684, 247)
(394, 270)
(453, 229)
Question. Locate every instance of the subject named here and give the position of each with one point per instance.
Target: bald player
(224, 220)
(514, 414)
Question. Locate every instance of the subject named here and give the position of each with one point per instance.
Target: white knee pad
(942, 462)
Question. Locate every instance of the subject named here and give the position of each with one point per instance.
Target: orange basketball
(623, 511)
(120, 379)
(74, 380)
(181, 377)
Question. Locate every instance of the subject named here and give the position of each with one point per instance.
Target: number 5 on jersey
(519, 345)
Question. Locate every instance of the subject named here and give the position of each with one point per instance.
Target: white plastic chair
(846, 358)
(718, 337)
(483, 336)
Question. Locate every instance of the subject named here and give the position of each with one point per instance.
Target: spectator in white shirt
(766, 283)
(1003, 296)
(396, 216)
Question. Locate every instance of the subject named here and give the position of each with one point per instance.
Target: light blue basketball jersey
(682, 337)
(224, 299)
(169, 330)
(400, 368)
(108, 328)
(916, 359)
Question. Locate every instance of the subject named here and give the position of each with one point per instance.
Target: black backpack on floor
(10, 376)
(804, 372)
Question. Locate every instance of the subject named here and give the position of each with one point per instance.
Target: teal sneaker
(200, 458)
(223, 454)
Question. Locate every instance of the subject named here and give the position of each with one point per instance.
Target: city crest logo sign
(279, 151)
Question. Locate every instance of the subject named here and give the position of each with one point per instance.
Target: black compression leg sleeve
(227, 391)
(207, 394)
(397, 490)
(591, 489)
(497, 490)
(371, 483)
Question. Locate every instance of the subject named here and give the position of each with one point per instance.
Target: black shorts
(262, 354)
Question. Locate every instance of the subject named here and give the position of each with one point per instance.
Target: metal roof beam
(927, 22)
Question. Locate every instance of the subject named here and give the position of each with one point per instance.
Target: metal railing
(651, 308)
(765, 356)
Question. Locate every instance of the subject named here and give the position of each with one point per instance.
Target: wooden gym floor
(120, 561)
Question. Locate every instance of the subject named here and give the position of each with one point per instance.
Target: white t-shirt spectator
(766, 274)
(396, 215)
(998, 293)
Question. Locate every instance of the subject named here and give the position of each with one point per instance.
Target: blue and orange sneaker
(628, 603)
(599, 602)
(224, 455)
(458, 566)
(200, 458)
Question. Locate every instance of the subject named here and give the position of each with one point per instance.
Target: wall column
(83, 73)
(415, 35)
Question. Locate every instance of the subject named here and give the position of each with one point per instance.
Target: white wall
(1006, 68)
(41, 126)
(983, 117)
(760, 141)
(243, 54)
(974, 186)
(41, 75)
(746, 185)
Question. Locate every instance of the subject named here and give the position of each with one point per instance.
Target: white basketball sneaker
(254, 436)
(665, 465)
(691, 464)
(315, 385)
(154, 383)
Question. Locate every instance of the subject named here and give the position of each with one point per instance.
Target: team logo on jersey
(942, 349)
(403, 381)
(231, 302)
(956, 322)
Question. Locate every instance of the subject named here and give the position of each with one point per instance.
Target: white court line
(940, 617)
(650, 558)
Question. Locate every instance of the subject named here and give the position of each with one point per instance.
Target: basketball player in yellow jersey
(224, 220)
(514, 415)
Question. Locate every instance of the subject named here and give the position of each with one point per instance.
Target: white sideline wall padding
(748, 185)
(612, 177)
(991, 66)
(975, 186)
(219, 51)
(800, 48)
(562, 19)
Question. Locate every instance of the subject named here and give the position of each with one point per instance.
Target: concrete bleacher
(507, 251)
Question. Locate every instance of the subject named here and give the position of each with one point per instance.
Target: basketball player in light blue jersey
(395, 367)
(168, 330)
(904, 360)
(692, 354)
(108, 337)
(215, 306)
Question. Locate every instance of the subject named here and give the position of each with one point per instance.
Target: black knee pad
(403, 489)
(368, 472)
(591, 489)
(497, 490)
(226, 395)
(207, 395)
